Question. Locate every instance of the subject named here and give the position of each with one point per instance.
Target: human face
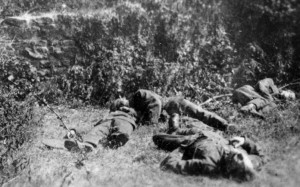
(239, 165)
(287, 95)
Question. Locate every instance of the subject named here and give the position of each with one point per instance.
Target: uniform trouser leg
(207, 117)
(98, 133)
(116, 130)
(269, 107)
(120, 133)
(188, 131)
(253, 107)
(259, 103)
(171, 142)
(261, 106)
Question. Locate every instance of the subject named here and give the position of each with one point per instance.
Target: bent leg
(207, 117)
(268, 107)
(98, 133)
(244, 94)
(251, 108)
(259, 103)
(121, 130)
(266, 87)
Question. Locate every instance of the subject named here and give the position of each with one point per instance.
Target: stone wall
(50, 41)
(46, 41)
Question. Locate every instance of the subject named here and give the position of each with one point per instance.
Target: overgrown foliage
(190, 47)
(16, 128)
(16, 125)
(266, 35)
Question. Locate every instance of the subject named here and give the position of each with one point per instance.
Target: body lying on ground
(148, 106)
(260, 98)
(113, 131)
(181, 106)
(143, 108)
(200, 151)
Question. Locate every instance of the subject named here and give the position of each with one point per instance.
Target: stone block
(16, 22)
(42, 21)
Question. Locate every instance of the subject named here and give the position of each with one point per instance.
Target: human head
(118, 103)
(239, 166)
(287, 95)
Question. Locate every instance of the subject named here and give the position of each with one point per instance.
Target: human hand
(237, 141)
(124, 109)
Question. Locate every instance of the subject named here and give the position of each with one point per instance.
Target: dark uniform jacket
(116, 123)
(260, 95)
(129, 116)
(207, 155)
(266, 88)
(148, 105)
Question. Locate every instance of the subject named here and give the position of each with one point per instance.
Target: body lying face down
(149, 107)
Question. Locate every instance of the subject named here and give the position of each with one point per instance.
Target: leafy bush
(16, 128)
(16, 125)
(266, 35)
(134, 45)
(190, 47)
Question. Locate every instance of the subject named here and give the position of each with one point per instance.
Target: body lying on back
(114, 130)
(260, 98)
(205, 152)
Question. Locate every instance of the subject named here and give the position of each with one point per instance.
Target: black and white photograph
(149, 93)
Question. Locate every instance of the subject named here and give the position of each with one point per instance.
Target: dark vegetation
(197, 48)
(16, 128)
(192, 47)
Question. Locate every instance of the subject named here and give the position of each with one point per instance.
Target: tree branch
(294, 83)
(214, 98)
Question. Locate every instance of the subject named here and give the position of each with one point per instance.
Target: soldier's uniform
(256, 99)
(182, 106)
(267, 88)
(116, 129)
(148, 105)
(204, 152)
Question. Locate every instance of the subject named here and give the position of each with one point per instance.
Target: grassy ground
(137, 163)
